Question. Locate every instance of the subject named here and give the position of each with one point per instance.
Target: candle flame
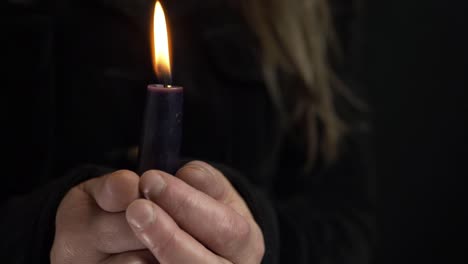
(161, 56)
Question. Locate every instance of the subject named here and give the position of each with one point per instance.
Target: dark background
(412, 61)
(416, 63)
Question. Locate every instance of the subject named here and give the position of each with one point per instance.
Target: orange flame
(161, 56)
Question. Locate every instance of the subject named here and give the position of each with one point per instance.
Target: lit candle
(162, 125)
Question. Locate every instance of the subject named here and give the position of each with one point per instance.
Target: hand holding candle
(162, 125)
(196, 216)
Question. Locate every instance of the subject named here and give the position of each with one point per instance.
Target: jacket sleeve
(331, 220)
(28, 222)
(327, 218)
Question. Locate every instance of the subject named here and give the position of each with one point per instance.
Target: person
(275, 166)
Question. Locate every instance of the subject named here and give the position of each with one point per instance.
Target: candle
(162, 125)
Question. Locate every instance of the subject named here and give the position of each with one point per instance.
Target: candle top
(163, 88)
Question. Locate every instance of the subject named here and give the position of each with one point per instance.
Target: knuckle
(242, 228)
(259, 251)
(185, 204)
(233, 230)
(258, 245)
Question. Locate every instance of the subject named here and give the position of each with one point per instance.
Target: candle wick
(167, 81)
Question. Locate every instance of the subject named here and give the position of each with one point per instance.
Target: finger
(133, 257)
(215, 224)
(161, 235)
(113, 192)
(111, 234)
(90, 229)
(211, 181)
(205, 178)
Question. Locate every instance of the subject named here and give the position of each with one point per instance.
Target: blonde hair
(295, 37)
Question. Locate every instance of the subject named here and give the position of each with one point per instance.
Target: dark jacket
(76, 96)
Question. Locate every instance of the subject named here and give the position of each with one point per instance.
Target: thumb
(115, 191)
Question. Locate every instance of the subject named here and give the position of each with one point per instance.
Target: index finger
(205, 178)
(164, 238)
(215, 224)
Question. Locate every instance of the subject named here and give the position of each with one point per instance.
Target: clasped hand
(195, 217)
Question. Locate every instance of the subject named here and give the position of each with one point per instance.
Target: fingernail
(153, 185)
(140, 214)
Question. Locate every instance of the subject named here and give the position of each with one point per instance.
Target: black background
(415, 72)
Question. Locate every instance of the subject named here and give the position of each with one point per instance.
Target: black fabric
(262, 209)
(99, 65)
(28, 227)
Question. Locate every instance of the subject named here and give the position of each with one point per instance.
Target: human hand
(195, 217)
(91, 225)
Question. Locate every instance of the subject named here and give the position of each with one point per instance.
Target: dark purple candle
(162, 125)
(162, 129)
